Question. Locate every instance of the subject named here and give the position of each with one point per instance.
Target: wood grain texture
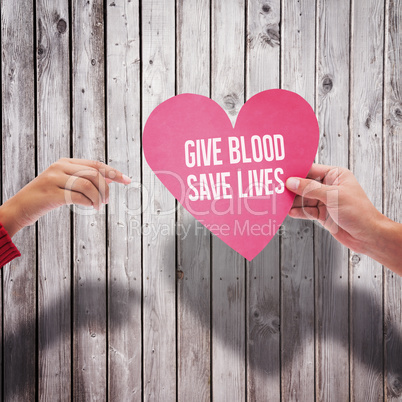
(90, 355)
(124, 210)
(228, 267)
(302, 321)
(193, 240)
(159, 260)
(298, 66)
(331, 258)
(263, 325)
(54, 273)
(393, 194)
(263, 273)
(366, 105)
(18, 164)
(263, 46)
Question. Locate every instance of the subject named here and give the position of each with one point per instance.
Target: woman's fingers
(90, 174)
(108, 172)
(74, 197)
(89, 178)
(85, 187)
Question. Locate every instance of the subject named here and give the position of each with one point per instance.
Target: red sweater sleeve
(8, 251)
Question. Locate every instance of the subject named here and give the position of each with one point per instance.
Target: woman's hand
(67, 181)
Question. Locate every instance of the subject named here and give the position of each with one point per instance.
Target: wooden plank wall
(139, 302)
(54, 285)
(193, 247)
(263, 273)
(19, 279)
(331, 259)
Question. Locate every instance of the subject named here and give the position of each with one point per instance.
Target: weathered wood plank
(159, 269)
(366, 145)
(18, 164)
(228, 267)
(124, 215)
(297, 329)
(331, 258)
(54, 271)
(263, 274)
(262, 288)
(263, 333)
(393, 194)
(263, 46)
(89, 338)
(193, 241)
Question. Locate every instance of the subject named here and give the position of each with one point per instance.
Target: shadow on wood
(117, 323)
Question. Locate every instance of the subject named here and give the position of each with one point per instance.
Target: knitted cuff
(8, 251)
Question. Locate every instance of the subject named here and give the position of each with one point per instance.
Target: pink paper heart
(205, 163)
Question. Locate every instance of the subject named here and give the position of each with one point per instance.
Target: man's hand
(332, 196)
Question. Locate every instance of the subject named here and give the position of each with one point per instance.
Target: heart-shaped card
(232, 180)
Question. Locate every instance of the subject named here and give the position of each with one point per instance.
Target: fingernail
(126, 179)
(292, 183)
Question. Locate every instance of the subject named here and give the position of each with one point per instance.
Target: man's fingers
(299, 201)
(313, 213)
(108, 172)
(308, 188)
(310, 213)
(318, 172)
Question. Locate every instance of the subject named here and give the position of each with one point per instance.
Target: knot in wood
(394, 385)
(230, 101)
(275, 326)
(180, 274)
(397, 112)
(11, 74)
(266, 8)
(355, 259)
(327, 84)
(41, 50)
(273, 36)
(368, 121)
(61, 26)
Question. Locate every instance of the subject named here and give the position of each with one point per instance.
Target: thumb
(308, 188)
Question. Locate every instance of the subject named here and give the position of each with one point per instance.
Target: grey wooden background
(97, 309)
